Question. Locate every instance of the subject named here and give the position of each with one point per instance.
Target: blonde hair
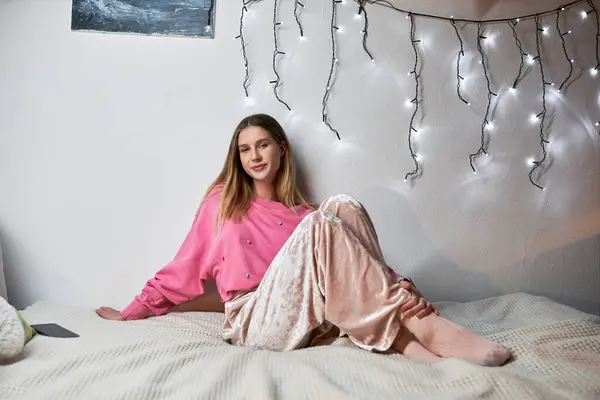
(236, 184)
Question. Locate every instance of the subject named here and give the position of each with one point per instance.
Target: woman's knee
(337, 202)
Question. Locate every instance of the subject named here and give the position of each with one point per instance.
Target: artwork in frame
(188, 18)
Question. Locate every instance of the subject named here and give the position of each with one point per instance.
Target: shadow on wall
(409, 251)
(13, 285)
(567, 275)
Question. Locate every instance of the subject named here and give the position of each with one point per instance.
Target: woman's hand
(109, 313)
(417, 305)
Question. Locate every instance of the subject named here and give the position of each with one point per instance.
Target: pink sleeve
(183, 278)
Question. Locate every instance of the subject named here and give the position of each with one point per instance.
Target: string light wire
(245, 5)
(490, 94)
(298, 5)
(415, 100)
(276, 52)
(334, 28)
(520, 75)
(564, 47)
(365, 31)
(542, 116)
(595, 11)
(388, 4)
(461, 53)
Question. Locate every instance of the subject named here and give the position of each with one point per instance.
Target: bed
(182, 356)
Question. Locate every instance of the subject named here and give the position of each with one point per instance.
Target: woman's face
(260, 154)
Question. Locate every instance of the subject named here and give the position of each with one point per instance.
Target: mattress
(182, 356)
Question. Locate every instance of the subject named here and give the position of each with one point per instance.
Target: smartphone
(54, 331)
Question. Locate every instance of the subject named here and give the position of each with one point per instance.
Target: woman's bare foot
(405, 344)
(448, 339)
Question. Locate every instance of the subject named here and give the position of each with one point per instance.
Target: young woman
(289, 274)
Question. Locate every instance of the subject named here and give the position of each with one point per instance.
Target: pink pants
(330, 273)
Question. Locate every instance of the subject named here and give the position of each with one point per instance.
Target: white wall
(107, 143)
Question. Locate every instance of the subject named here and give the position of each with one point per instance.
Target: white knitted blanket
(182, 356)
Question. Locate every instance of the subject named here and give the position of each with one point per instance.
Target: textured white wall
(107, 143)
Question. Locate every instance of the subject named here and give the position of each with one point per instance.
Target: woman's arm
(180, 281)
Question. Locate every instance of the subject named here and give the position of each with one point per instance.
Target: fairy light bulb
(489, 126)
(408, 103)
(533, 118)
(418, 157)
(530, 161)
(530, 59)
(583, 14)
(594, 71)
(513, 90)
(545, 30)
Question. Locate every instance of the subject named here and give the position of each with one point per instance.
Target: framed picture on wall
(188, 18)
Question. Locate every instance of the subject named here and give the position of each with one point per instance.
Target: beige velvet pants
(330, 273)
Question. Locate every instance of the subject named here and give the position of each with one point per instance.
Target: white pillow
(2, 280)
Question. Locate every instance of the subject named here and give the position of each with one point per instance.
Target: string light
(334, 4)
(593, 9)
(276, 52)
(298, 5)
(520, 75)
(245, 5)
(388, 4)
(564, 46)
(482, 146)
(415, 100)
(365, 31)
(486, 125)
(543, 141)
(461, 53)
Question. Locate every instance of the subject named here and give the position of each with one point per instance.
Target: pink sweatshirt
(235, 258)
